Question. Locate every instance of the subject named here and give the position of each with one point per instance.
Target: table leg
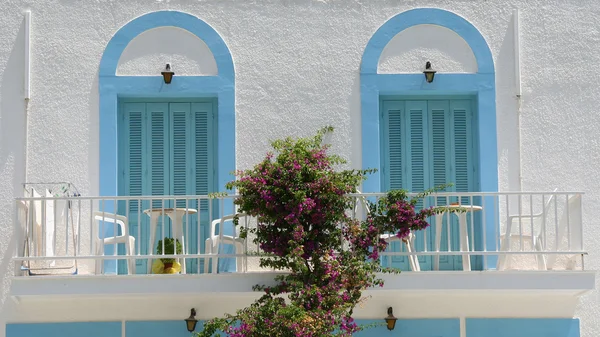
(439, 222)
(464, 241)
(177, 220)
(153, 223)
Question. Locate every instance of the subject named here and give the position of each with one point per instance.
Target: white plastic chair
(409, 241)
(36, 216)
(213, 243)
(570, 224)
(529, 233)
(124, 238)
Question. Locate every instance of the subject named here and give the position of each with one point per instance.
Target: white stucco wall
(148, 53)
(409, 50)
(296, 69)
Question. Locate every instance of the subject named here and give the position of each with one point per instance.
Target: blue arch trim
(481, 84)
(112, 87)
(118, 43)
(427, 16)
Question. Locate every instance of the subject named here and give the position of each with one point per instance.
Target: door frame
(111, 87)
(481, 84)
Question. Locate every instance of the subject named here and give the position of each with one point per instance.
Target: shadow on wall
(507, 113)
(147, 54)
(12, 155)
(356, 127)
(94, 140)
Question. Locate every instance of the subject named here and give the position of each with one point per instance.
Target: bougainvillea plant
(301, 203)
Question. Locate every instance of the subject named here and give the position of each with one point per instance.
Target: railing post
(17, 234)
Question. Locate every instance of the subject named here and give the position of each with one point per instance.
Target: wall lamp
(429, 72)
(167, 74)
(191, 321)
(390, 319)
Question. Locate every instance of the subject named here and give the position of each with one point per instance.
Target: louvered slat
(417, 148)
(461, 149)
(438, 111)
(158, 152)
(180, 113)
(395, 124)
(202, 146)
(134, 120)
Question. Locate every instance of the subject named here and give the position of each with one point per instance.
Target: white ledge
(575, 282)
(413, 295)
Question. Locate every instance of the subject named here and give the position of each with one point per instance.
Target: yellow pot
(158, 267)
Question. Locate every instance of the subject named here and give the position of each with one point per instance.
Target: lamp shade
(390, 320)
(429, 72)
(167, 74)
(191, 321)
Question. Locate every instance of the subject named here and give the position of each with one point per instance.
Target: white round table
(176, 215)
(463, 234)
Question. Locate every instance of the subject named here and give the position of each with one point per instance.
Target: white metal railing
(108, 235)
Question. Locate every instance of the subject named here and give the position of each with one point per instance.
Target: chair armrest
(110, 217)
(525, 217)
(525, 222)
(114, 218)
(216, 223)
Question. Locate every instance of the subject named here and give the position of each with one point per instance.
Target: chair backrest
(219, 223)
(571, 223)
(37, 209)
(120, 220)
(23, 216)
(360, 203)
(549, 201)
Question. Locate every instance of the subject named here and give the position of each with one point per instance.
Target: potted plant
(170, 264)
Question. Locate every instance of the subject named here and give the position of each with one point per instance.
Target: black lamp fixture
(390, 319)
(191, 321)
(167, 74)
(429, 72)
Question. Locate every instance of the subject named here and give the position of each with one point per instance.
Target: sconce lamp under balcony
(167, 74)
(429, 72)
(191, 321)
(390, 319)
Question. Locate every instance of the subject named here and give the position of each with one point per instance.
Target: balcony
(499, 243)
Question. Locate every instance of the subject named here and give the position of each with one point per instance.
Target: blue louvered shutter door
(157, 168)
(203, 150)
(460, 111)
(394, 118)
(131, 162)
(181, 160)
(131, 152)
(462, 157)
(201, 178)
(417, 152)
(441, 173)
(158, 152)
(393, 114)
(418, 166)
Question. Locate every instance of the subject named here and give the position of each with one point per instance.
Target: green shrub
(169, 244)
